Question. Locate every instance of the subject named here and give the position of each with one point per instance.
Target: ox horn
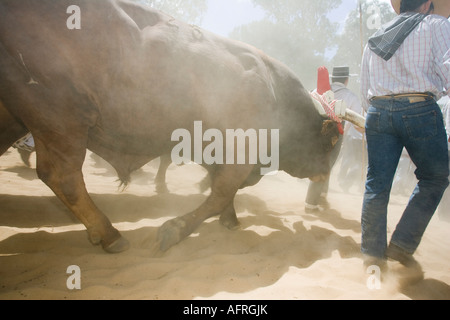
(340, 108)
(355, 118)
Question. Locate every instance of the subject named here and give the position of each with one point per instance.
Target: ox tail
(124, 179)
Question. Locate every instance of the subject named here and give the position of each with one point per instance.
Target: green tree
(299, 35)
(190, 11)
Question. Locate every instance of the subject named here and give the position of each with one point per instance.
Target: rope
(329, 109)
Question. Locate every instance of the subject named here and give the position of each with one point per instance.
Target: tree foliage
(356, 32)
(303, 36)
(294, 32)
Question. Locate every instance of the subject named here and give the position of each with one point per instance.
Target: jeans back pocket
(421, 126)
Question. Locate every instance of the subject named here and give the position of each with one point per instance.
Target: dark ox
(123, 83)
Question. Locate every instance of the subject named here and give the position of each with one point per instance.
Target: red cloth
(323, 85)
(323, 80)
(329, 110)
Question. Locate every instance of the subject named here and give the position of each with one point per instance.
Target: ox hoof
(161, 189)
(232, 224)
(170, 233)
(117, 246)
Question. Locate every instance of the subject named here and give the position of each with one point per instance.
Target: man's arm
(441, 52)
(365, 79)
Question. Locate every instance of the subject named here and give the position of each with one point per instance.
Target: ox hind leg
(225, 184)
(62, 172)
(10, 129)
(160, 179)
(60, 153)
(59, 119)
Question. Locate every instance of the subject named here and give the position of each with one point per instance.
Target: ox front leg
(62, 173)
(225, 184)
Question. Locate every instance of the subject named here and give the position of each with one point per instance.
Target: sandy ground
(280, 252)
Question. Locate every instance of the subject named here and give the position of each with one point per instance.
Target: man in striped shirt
(405, 69)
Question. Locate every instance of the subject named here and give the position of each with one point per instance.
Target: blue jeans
(392, 125)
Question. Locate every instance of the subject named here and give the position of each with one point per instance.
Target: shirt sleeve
(365, 80)
(441, 52)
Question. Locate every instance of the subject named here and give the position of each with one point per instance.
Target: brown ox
(123, 83)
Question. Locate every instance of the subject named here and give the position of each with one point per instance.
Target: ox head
(309, 147)
(330, 137)
(304, 153)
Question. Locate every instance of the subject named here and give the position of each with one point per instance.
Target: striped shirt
(421, 64)
(341, 92)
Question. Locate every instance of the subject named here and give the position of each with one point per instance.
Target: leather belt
(412, 97)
